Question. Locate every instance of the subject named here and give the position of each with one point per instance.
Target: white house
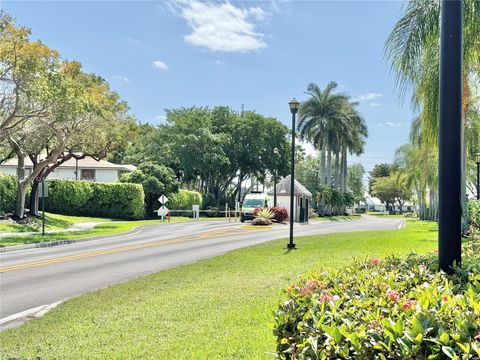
(374, 204)
(83, 169)
(302, 199)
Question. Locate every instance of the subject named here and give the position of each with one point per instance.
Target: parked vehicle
(251, 202)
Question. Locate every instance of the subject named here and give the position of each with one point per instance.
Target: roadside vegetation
(52, 222)
(392, 308)
(57, 223)
(218, 308)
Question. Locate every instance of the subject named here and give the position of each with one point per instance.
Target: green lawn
(219, 308)
(111, 227)
(52, 222)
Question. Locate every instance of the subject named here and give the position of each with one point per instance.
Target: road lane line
(122, 249)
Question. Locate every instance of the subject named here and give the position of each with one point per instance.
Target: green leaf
(447, 350)
(444, 338)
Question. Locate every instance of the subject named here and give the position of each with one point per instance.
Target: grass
(219, 308)
(338, 217)
(112, 227)
(52, 222)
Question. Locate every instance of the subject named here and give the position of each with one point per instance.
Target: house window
(87, 174)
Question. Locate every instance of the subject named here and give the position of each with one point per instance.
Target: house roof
(372, 201)
(283, 188)
(87, 163)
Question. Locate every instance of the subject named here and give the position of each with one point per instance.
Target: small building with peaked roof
(302, 199)
(81, 169)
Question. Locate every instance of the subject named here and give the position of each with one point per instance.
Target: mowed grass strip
(111, 227)
(52, 222)
(219, 308)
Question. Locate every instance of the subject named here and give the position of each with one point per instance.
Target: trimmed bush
(184, 199)
(280, 213)
(384, 309)
(114, 200)
(8, 193)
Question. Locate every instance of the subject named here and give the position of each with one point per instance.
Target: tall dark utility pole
(294, 105)
(450, 135)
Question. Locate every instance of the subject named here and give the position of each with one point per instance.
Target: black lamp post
(478, 175)
(275, 151)
(294, 105)
(450, 136)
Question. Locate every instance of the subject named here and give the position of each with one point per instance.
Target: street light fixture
(294, 105)
(275, 151)
(477, 158)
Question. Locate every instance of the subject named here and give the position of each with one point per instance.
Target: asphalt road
(40, 276)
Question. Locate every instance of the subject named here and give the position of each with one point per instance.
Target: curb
(26, 315)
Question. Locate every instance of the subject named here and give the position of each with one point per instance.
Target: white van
(251, 202)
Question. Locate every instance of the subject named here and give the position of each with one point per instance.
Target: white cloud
(308, 147)
(391, 124)
(375, 104)
(123, 78)
(157, 64)
(222, 26)
(161, 117)
(369, 97)
(219, 62)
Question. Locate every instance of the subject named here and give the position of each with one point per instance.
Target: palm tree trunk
(344, 171)
(322, 167)
(337, 170)
(329, 167)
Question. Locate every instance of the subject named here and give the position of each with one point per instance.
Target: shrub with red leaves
(281, 214)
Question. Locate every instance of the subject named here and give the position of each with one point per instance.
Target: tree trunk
(240, 186)
(329, 167)
(323, 180)
(21, 194)
(33, 209)
(22, 186)
(337, 170)
(345, 170)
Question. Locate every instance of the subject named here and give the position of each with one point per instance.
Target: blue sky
(166, 54)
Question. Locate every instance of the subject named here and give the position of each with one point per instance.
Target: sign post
(196, 211)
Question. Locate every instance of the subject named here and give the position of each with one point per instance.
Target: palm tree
(413, 51)
(318, 117)
(331, 122)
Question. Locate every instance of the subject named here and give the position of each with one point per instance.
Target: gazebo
(302, 198)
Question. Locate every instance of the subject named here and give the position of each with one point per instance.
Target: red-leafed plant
(280, 213)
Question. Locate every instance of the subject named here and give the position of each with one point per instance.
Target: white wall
(106, 175)
(284, 201)
(63, 174)
(101, 175)
(8, 170)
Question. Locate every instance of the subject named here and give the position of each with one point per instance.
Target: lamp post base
(291, 246)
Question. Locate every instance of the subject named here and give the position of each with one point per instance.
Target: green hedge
(8, 192)
(184, 199)
(114, 200)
